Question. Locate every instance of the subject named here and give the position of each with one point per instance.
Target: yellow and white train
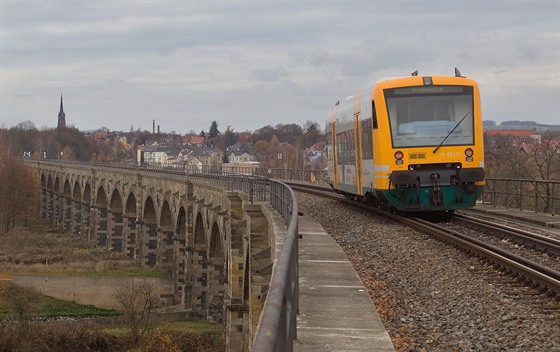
(412, 144)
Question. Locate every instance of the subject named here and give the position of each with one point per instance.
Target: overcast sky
(248, 64)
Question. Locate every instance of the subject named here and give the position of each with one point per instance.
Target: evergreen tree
(213, 132)
(229, 137)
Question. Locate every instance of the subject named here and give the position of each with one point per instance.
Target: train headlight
(469, 153)
(398, 157)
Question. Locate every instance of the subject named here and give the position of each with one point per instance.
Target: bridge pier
(115, 220)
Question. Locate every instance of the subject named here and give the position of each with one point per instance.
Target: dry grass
(40, 250)
(86, 336)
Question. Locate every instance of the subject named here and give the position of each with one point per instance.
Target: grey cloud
(258, 63)
(270, 74)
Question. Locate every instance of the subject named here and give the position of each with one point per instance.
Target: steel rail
(546, 244)
(528, 269)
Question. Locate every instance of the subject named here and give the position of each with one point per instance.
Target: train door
(334, 155)
(358, 144)
(332, 152)
(368, 128)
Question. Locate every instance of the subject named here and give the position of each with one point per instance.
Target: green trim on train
(419, 199)
(348, 188)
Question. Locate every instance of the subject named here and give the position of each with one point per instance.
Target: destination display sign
(428, 90)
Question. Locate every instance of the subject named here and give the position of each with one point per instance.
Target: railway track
(525, 238)
(543, 276)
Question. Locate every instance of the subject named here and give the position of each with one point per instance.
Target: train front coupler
(436, 195)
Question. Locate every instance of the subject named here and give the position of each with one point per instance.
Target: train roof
(423, 80)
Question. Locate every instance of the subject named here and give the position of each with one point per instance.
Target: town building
(511, 138)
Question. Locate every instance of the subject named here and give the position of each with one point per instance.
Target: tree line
(64, 143)
(534, 161)
(71, 144)
(19, 192)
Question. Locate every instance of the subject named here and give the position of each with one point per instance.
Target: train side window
(374, 115)
(351, 148)
(345, 147)
(340, 148)
(367, 144)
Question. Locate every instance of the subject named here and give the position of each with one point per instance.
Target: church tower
(61, 116)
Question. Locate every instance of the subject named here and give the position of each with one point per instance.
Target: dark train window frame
(418, 91)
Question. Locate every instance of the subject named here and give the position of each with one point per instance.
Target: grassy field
(48, 307)
(43, 250)
(39, 249)
(17, 334)
(179, 327)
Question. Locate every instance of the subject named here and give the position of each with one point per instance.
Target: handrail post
(536, 196)
(552, 199)
(251, 189)
(521, 195)
(494, 200)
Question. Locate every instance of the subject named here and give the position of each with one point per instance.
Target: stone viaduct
(215, 243)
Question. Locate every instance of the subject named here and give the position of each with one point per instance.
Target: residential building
(315, 153)
(161, 155)
(209, 159)
(240, 156)
(511, 138)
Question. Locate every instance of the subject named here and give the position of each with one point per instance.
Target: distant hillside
(518, 125)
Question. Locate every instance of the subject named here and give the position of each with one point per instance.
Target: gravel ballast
(432, 296)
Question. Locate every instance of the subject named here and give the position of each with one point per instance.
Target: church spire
(61, 115)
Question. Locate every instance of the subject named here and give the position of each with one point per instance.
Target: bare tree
(22, 300)
(138, 301)
(19, 192)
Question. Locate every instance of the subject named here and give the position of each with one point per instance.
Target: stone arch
(77, 192)
(149, 234)
(77, 209)
(198, 278)
(166, 238)
(130, 230)
(56, 186)
(57, 198)
(180, 254)
(67, 191)
(181, 222)
(100, 235)
(86, 223)
(217, 275)
(44, 197)
(115, 223)
(67, 207)
(49, 200)
(131, 205)
(50, 182)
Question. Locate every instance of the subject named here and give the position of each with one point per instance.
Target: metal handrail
(540, 196)
(278, 321)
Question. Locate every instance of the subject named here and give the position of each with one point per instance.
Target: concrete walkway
(336, 312)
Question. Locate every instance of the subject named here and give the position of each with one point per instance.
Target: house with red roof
(511, 138)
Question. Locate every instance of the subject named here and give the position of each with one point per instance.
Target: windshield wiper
(449, 134)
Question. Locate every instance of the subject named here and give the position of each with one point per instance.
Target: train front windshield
(427, 116)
